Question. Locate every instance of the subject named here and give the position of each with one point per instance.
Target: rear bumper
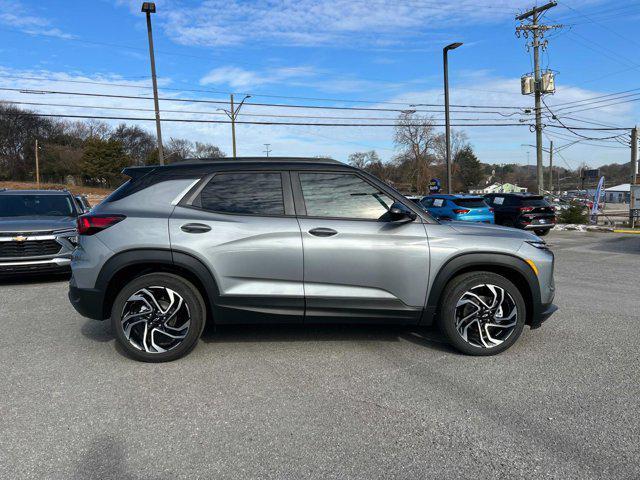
(546, 226)
(545, 312)
(88, 302)
(50, 265)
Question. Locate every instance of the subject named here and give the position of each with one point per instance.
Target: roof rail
(257, 159)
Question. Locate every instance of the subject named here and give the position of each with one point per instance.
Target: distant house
(618, 194)
(501, 188)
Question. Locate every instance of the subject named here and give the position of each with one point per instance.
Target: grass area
(94, 194)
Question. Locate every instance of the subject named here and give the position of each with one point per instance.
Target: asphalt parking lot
(339, 402)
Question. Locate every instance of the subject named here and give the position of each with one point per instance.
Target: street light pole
(37, 166)
(233, 127)
(445, 59)
(551, 167)
(149, 8)
(232, 114)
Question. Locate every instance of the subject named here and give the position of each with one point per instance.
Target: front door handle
(323, 232)
(195, 228)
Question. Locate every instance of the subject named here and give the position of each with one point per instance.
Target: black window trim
(301, 209)
(192, 199)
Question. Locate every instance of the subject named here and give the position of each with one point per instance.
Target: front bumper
(50, 265)
(545, 312)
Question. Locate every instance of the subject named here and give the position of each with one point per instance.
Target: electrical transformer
(547, 83)
(527, 85)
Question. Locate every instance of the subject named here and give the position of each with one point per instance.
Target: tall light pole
(445, 58)
(37, 166)
(232, 114)
(149, 8)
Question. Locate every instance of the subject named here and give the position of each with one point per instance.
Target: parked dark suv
(37, 231)
(287, 240)
(521, 210)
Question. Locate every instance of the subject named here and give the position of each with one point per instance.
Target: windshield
(470, 202)
(31, 205)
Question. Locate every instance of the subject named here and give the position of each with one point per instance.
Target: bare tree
(459, 141)
(415, 137)
(138, 144)
(178, 149)
(207, 150)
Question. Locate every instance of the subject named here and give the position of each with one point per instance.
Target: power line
(594, 98)
(247, 122)
(253, 94)
(210, 112)
(626, 39)
(225, 102)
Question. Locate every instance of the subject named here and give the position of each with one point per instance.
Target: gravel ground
(332, 402)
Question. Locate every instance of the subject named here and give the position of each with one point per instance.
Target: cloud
(236, 77)
(14, 14)
(342, 23)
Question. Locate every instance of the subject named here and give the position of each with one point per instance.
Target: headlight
(540, 244)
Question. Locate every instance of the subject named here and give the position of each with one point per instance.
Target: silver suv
(293, 240)
(37, 231)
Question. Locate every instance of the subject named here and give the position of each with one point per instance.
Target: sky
(364, 54)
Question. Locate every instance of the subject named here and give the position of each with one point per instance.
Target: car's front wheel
(482, 313)
(158, 317)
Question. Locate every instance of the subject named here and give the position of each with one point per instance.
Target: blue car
(468, 208)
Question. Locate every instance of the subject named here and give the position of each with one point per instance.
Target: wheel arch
(510, 266)
(130, 264)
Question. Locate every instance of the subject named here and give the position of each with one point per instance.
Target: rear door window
(246, 193)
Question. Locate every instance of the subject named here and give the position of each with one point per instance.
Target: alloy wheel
(155, 319)
(485, 316)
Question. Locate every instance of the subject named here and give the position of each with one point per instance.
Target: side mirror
(400, 213)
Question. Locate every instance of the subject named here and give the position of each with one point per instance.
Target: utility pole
(445, 62)
(537, 33)
(551, 167)
(149, 8)
(267, 150)
(634, 155)
(37, 166)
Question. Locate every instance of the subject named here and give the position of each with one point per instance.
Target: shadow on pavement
(106, 458)
(33, 278)
(428, 337)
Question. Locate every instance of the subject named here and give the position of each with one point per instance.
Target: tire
(173, 325)
(542, 231)
(491, 330)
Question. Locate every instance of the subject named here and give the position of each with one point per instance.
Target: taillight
(460, 211)
(90, 224)
(526, 209)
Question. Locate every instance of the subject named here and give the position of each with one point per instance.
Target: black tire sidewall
(542, 232)
(454, 291)
(184, 288)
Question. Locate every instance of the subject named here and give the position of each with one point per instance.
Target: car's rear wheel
(482, 313)
(158, 317)
(541, 232)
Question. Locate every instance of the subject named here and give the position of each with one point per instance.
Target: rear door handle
(323, 232)
(195, 228)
